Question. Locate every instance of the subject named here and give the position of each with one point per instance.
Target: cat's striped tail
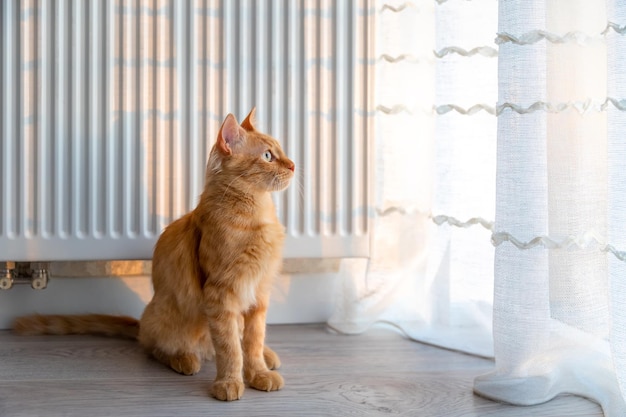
(93, 324)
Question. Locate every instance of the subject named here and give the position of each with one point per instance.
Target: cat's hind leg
(174, 343)
(271, 358)
(185, 363)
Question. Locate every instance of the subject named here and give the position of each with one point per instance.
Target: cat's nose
(292, 167)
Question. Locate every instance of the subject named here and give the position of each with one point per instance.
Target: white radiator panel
(108, 110)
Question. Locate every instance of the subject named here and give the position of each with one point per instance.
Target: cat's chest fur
(259, 261)
(243, 249)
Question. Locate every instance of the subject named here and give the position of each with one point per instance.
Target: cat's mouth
(279, 183)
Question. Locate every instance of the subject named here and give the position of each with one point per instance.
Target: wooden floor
(376, 374)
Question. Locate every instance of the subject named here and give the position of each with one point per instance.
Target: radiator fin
(108, 111)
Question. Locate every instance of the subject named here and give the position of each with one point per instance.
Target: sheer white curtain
(501, 189)
(431, 272)
(559, 304)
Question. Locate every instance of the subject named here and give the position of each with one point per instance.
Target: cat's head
(245, 155)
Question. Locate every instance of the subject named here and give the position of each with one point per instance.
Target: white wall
(296, 298)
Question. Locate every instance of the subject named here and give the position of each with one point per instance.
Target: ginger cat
(211, 272)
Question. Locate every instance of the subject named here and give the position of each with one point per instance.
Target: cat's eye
(267, 155)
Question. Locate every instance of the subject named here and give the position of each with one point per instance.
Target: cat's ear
(249, 121)
(230, 135)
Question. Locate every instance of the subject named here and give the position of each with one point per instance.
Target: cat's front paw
(267, 381)
(271, 358)
(227, 389)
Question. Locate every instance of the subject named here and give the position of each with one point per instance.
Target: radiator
(108, 110)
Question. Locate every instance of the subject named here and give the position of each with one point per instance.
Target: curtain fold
(616, 43)
(500, 211)
(431, 270)
(559, 206)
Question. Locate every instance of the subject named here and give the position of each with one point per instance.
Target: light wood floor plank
(376, 374)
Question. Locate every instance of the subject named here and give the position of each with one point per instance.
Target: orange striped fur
(211, 272)
(97, 324)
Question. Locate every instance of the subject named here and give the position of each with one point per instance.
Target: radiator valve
(39, 279)
(33, 273)
(6, 278)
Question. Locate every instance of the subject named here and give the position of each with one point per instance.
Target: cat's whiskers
(299, 185)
